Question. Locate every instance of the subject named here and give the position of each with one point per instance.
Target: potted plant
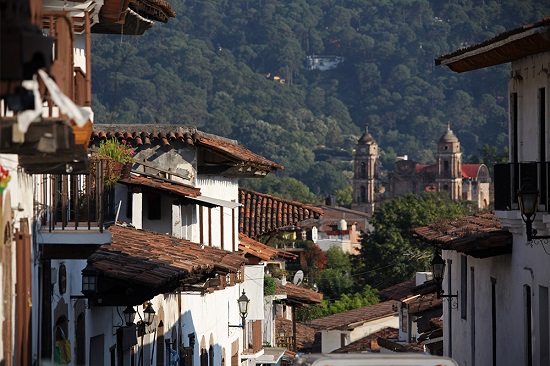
(116, 157)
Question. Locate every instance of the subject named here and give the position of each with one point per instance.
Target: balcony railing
(78, 201)
(509, 178)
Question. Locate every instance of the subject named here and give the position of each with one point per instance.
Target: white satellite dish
(298, 278)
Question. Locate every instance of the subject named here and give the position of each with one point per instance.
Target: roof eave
(499, 51)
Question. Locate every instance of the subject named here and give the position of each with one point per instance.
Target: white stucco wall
(225, 189)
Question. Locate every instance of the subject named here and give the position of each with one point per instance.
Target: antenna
(298, 278)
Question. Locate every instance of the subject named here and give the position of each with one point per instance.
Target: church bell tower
(364, 159)
(449, 165)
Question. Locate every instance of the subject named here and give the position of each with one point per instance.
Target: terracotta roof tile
(393, 345)
(160, 261)
(418, 304)
(164, 135)
(370, 342)
(262, 213)
(234, 150)
(399, 291)
(299, 295)
(161, 185)
(261, 250)
(356, 317)
(480, 235)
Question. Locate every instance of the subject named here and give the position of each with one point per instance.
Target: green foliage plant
(270, 286)
(117, 151)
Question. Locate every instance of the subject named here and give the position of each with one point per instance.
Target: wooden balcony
(76, 211)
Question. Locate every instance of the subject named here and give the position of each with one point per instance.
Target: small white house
(339, 330)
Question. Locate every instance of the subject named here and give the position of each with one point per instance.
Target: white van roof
(373, 359)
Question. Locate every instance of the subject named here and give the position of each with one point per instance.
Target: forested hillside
(236, 68)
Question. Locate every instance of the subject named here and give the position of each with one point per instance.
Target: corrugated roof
(354, 318)
(160, 261)
(299, 295)
(370, 342)
(506, 47)
(263, 213)
(479, 235)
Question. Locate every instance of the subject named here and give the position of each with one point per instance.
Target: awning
(215, 201)
(271, 355)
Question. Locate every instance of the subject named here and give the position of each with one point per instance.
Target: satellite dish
(298, 278)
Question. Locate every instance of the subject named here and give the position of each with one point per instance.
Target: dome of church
(366, 138)
(448, 136)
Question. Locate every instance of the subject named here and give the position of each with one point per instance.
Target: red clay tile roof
(139, 135)
(399, 291)
(394, 346)
(227, 152)
(480, 235)
(370, 342)
(160, 262)
(305, 336)
(422, 303)
(262, 213)
(299, 295)
(161, 185)
(260, 250)
(470, 170)
(233, 150)
(506, 47)
(356, 317)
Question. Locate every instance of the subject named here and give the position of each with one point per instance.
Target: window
(514, 126)
(544, 324)
(153, 206)
(129, 203)
(363, 173)
(363, 194)
(528, 326)
(463, 286)
(404, 318)
(494, 318)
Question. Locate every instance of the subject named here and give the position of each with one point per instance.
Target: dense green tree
(390, 254)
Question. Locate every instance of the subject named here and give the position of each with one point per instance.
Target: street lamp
(243, 301)
(149, 314)
(89, 279)
(129, 315)
(528, 202)
(438, 269)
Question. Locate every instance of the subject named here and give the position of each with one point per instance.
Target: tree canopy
(390, 254)
(237, 69)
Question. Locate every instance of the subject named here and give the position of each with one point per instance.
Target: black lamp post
(89, 280)
(438, 269)
(243, 306)
(243, 301)
(528, 201)
(129, 315)
(149, 314)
